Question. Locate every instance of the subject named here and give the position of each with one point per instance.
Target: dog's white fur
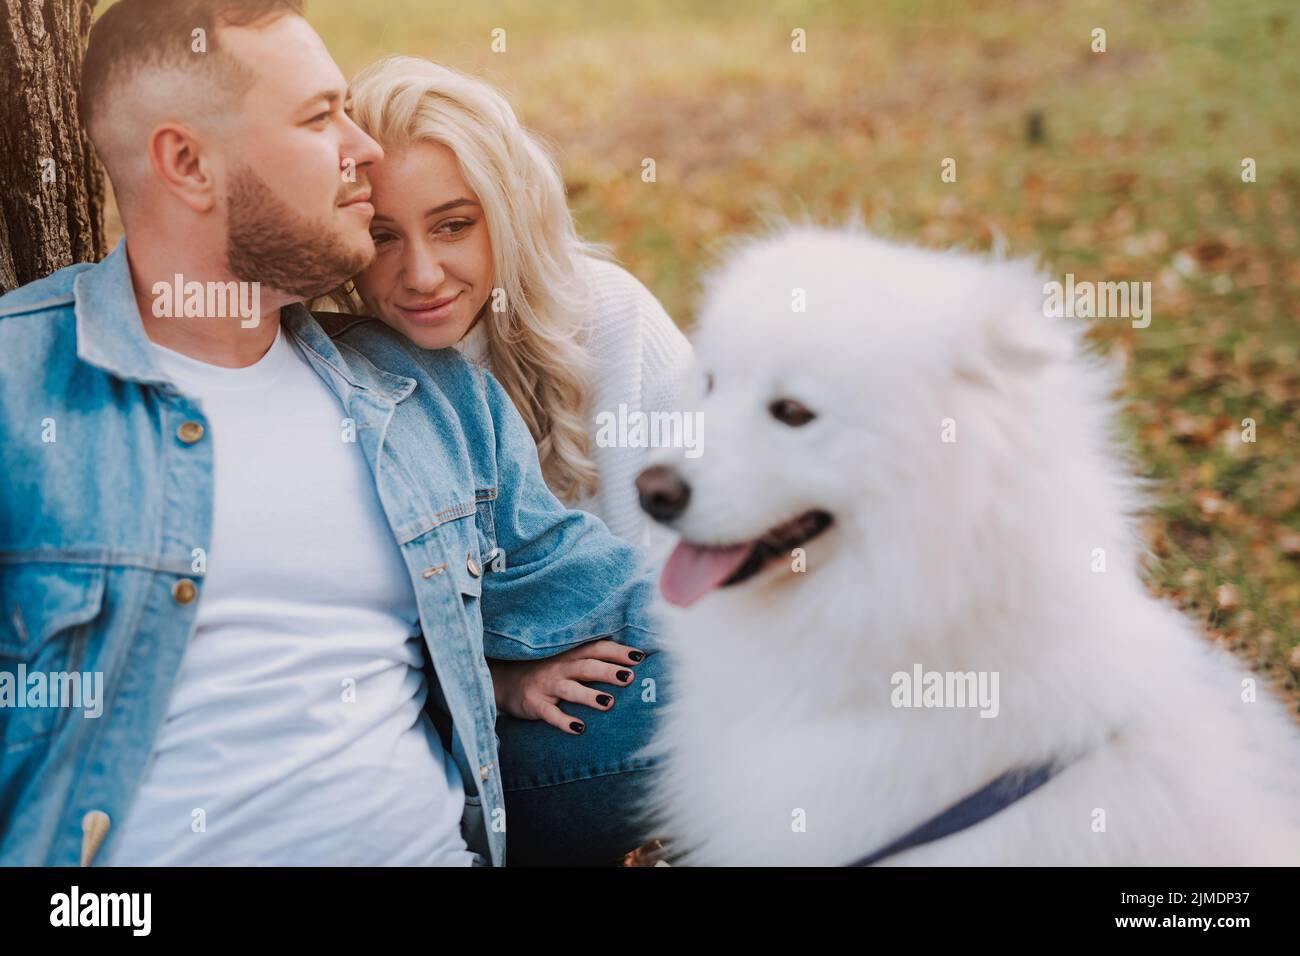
(974, 555)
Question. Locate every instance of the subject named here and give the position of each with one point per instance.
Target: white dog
(909, 501)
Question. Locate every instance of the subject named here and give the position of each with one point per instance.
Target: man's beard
(270, 243)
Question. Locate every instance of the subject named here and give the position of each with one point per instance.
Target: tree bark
(51, 184)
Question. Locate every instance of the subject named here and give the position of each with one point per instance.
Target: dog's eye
(792, 413)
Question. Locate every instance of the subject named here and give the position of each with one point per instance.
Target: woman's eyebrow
(451, 204)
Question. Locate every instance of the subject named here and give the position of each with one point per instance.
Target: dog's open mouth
(693, 570)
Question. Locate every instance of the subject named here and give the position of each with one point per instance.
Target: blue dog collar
(1015, 784)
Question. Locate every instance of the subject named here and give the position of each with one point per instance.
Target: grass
(1136, 176)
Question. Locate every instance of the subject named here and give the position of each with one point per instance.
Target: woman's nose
(421, 272)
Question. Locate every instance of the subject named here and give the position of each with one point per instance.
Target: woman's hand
(532, 690)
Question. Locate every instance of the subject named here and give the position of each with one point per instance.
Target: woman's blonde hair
(535, 343)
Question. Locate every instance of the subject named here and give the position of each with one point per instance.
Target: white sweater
(638, 359)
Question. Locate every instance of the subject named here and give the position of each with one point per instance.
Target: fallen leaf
(1211, 503)
(1226, 597)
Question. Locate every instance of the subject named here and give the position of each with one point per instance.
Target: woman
(477, 250)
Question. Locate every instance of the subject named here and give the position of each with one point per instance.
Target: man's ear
(1013, 336)
(179, 160)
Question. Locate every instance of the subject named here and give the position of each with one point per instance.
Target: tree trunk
(51, 184)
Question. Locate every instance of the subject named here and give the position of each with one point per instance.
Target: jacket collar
(110, 335)
(353, 368)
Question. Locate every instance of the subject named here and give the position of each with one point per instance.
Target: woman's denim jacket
(106, 513)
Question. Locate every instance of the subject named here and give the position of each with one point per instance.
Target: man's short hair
(136, 35)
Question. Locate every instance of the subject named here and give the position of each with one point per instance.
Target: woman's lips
(437, 311)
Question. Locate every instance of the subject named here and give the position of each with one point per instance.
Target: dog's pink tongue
(692, 572)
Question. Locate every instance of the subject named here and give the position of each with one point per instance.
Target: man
(251, 532)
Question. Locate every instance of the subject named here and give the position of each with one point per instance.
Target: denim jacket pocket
(46, 612)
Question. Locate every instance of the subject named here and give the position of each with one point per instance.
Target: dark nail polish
(636, 656)
(624, 675)
(604, 700)
(577, 727)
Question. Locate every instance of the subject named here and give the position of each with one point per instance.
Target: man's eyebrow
(452, 204)
(330, 96)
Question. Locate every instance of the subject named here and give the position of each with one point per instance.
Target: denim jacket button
(94, 827)
(472, 566)
(190, 432)
(184, 591)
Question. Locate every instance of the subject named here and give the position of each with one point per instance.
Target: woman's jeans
(577, 800)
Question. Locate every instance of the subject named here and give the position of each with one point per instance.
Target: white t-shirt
(295, 734)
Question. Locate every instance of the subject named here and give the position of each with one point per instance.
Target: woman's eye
(789, 412)
(455, 227)
(320, 117)
(380, 239)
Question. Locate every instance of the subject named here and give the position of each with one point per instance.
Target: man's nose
(662, 491)
(359, 146)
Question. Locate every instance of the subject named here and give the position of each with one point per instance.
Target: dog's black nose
(663, 493)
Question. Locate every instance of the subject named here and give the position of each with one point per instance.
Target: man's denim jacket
(106, 512)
